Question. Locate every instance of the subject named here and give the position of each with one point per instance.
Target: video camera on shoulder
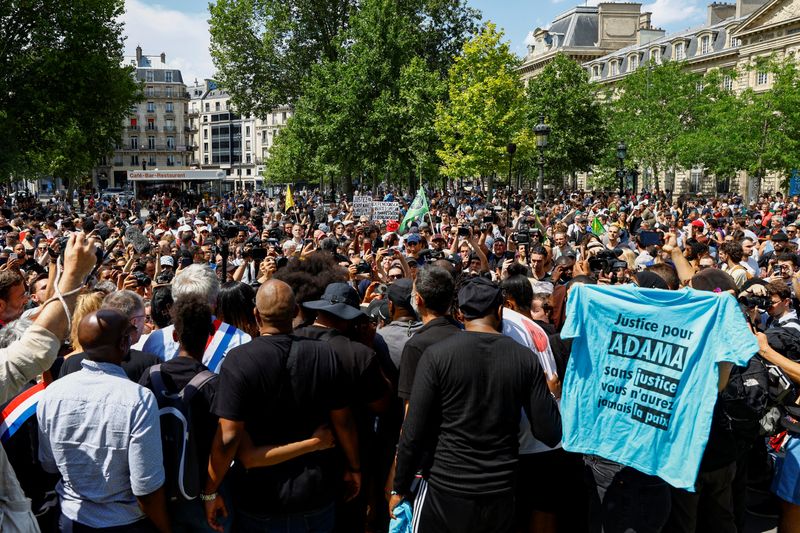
(227, 230)
(607, 261)
(752, 301)
(525, 234)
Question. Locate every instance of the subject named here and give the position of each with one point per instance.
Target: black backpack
(177, 438)
(756, 399)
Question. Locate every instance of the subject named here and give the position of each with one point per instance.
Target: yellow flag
(289, 197)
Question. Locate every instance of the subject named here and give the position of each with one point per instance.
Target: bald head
(105, 335)
(275, 305)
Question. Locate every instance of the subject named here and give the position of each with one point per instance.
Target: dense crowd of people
(257, 363)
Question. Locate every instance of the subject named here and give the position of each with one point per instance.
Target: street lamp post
(622, 151)
(542, 132)
(511, 148)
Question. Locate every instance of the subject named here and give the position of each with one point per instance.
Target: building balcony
(170, 129)
(131, 127)
(152, 129)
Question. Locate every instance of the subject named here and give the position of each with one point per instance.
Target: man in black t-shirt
(467, 397)
(432, 296)
(277, 390)
(370, 389)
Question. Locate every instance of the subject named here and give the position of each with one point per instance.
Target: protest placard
(385, 210)
(362, 206)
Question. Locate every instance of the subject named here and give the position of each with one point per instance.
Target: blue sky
(180, 29)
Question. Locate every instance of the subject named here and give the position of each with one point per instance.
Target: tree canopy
(63, 92)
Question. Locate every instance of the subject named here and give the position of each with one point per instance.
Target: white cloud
(183, 37)
(672, 12)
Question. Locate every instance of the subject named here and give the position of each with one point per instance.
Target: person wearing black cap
(404, 322)
(369, 387)
(464, 409)
(780, 241)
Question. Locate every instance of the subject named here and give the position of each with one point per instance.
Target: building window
(170, 143)
(205, 159)
(727, 83)
(134, 143)
(168, 92)
(735, 41)
(168, 76)
(762, 78)
(633, 63)
(283, 117)
(695, 179)
(227, 104)
(133, 123)
(205, 133)
(170, 160)
(705, 44)
(247, 170)
(134, 160)
(216, 106)
(170, 107)
(151, 161)
(655, 55)
(205, 147)
(724, 185)
(248, 159)
(151, 107)
(614, 68)
(680, 51)
(151, 124)
(247, 131)
(150, 92)
(151, 143)
(149, 75)
(208, 108)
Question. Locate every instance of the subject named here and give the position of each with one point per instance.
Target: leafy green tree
(265, 50)
(563, 95)
(369, 113)
(63, 92)
(756, 131)
(485, 110)
(650, 110)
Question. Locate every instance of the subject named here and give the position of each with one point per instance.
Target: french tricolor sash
(18, 411)
(217, 345)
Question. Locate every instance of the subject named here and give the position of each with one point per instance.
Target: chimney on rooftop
(138, 55)
(163, 57)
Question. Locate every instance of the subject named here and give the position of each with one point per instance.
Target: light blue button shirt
(101, 432)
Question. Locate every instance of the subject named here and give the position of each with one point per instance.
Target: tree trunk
(347, 185)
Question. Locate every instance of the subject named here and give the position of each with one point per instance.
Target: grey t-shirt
(396, 335)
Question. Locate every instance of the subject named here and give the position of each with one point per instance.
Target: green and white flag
(597, 227)
(418, 209)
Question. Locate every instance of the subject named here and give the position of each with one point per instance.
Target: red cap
(392, 225)
(698, 223)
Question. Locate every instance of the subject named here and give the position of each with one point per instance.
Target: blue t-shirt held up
(642, 379)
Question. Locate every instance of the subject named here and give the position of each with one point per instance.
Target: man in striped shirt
(197, 280)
